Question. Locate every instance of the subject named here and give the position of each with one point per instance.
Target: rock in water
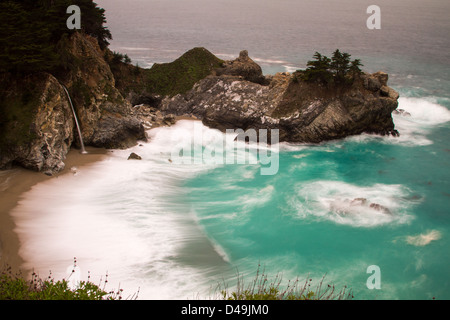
(402, 112)
(134, 156)
(303, 112)
(358, 202)
(380, 208)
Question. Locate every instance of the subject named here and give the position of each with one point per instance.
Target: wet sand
(14, 184)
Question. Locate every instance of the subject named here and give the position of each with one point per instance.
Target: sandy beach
(14, 184)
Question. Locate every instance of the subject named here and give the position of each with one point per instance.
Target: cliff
(104, 114)
(37, 124)
(239, 96)
(114, 100)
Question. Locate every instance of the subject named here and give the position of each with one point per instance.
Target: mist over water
(176, 230)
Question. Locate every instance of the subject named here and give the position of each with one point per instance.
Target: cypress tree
(340, 69)
(31, 32)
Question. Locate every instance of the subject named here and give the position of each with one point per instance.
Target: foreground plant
(260, 288)
(13, 286)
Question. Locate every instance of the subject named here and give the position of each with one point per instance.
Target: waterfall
(83, 150)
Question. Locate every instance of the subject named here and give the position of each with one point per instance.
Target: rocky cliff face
(104, 115)
(37, 125)
(303, 112)
(39, 136)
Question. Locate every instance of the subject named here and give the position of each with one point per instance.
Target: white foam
(424, 238)
(123, 217)
(335, 201)
(256, 198)
(291, 69)
(292, 147)
(269, 61)
(424, 112)
(422, 117)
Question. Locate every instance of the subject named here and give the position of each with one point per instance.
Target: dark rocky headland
(117, 101)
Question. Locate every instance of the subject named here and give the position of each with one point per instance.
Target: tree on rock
(319, 69)
(340, 69)
(340, 65)
(355, 67)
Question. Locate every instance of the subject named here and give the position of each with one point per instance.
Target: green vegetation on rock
(180, 75)
(165, 79)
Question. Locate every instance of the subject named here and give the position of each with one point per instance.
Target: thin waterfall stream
(83, 150)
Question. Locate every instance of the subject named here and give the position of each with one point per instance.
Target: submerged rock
(402, 112)
(380, 208)
(356, 206)
(358, 202)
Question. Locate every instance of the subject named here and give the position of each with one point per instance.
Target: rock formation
(244, 67)
(105, 116)
(134, 156)
(37, 128)
(303, 112)
(41, 138)
(355, 206)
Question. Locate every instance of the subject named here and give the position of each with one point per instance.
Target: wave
(269, 61)
(291, 69)
(424, 111)
(416, 120)
(257, 198)
(416, 124)
(293, 147)
(127, 218)
(349, 204)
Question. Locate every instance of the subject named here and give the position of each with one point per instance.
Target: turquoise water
(177, 230)
(285, 222)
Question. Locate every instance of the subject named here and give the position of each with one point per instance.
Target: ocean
(177, 231)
